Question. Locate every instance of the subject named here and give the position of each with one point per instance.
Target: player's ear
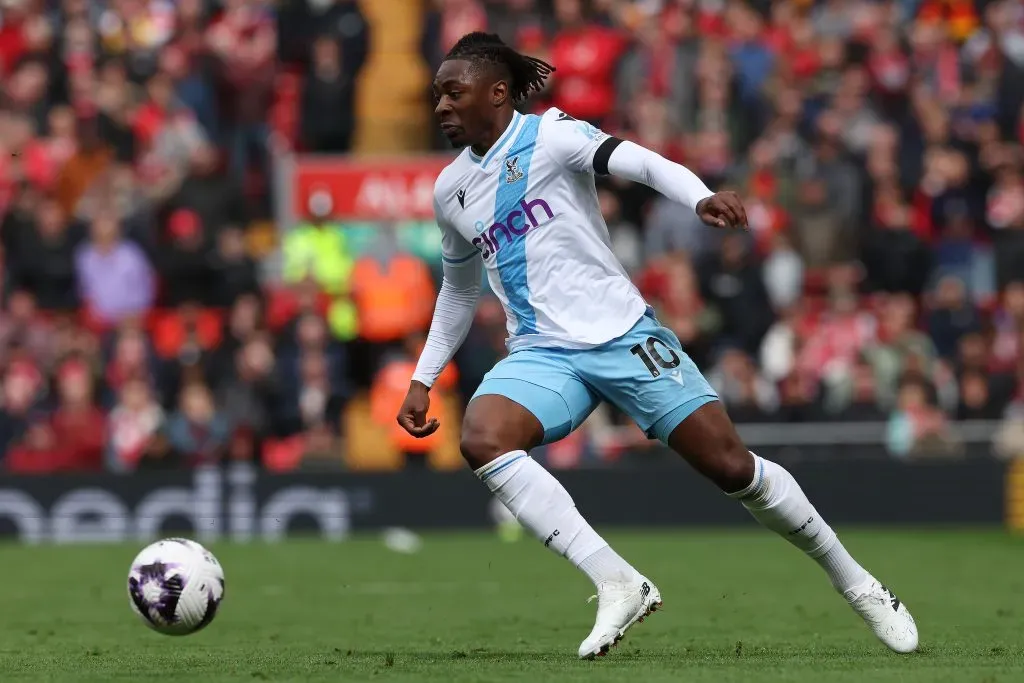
(499, 93)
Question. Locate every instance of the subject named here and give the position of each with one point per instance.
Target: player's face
(463, 103)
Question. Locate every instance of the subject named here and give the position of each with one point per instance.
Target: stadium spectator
(586, 53)
(22, 386)
(899, 345)
(234, 271)
(246, 396)
(216, 200)
(79, 427)
(391, 290)
(37, 452)
(184, 260)
(821, 235)
(732, 281)
(976, 402)
(519, 23)
(90, 160)
(749, 396)
(191, 84)
(243, 323)
(450, 21)
(783, 273)
(952, 316)
(130, 359)
(660, 62)
(799, 399)
(853, 397)
(185, 340)
(328, 100)
(317, 249)
(309, 396)
(158, 455)
(23, 328)
(304, 343)
(243, 41)
(917, 428)
(344, 19)
(133, 423)
(836, 338)
(114, 101)
(43, 261)
(197, 432)
(114, 277)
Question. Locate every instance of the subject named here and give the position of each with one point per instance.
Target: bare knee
(481, 443)
(495, 425)
(732, 467)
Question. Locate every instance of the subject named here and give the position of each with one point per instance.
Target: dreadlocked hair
(527, 73)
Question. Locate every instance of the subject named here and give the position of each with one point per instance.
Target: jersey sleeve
(456, 302)
(572, 143)
(455, 250)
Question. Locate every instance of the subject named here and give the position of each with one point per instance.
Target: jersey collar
(502, 144)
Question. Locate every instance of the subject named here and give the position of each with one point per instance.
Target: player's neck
(501, 124)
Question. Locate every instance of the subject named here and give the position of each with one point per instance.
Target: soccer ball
(175, 586)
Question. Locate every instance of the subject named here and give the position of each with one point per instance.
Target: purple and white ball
(175, 586)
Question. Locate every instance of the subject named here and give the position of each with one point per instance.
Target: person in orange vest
(392, 290)
(388, 391)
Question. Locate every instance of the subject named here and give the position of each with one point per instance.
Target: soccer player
(519, 201)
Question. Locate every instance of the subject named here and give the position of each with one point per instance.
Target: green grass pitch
(740, 606)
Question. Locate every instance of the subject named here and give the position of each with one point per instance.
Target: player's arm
(582, 148)
(453, 316)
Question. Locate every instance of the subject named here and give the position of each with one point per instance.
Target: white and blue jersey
(529, 209)
(579, 330)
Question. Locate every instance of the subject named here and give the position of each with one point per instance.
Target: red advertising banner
(366, 189)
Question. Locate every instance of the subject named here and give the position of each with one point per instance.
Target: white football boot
(886, 616)
(619, 606)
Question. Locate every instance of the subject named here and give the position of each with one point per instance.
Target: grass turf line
(740, 606)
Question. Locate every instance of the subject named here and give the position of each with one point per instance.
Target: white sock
(777, 501)
(543, 506)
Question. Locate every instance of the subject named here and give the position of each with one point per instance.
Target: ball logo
(526, 217)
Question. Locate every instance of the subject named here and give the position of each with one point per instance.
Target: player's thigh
(544, 383)
(647, 375)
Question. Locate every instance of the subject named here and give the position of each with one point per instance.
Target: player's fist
(413, 414)
(722, 210)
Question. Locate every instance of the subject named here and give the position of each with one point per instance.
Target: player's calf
(722, 458)
(708, 440)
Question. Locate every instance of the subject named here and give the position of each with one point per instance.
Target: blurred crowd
(136, 140)
(879, 148)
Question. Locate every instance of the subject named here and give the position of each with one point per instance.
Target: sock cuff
(755, 484)
(825, 546)
(499, 464)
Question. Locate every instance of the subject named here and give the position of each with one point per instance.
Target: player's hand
(722, 210)
(413, 414)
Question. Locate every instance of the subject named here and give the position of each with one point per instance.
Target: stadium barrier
(240, 503)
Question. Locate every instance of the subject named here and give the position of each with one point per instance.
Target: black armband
(603, 154)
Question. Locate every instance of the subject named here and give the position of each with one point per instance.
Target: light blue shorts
(643, 373)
